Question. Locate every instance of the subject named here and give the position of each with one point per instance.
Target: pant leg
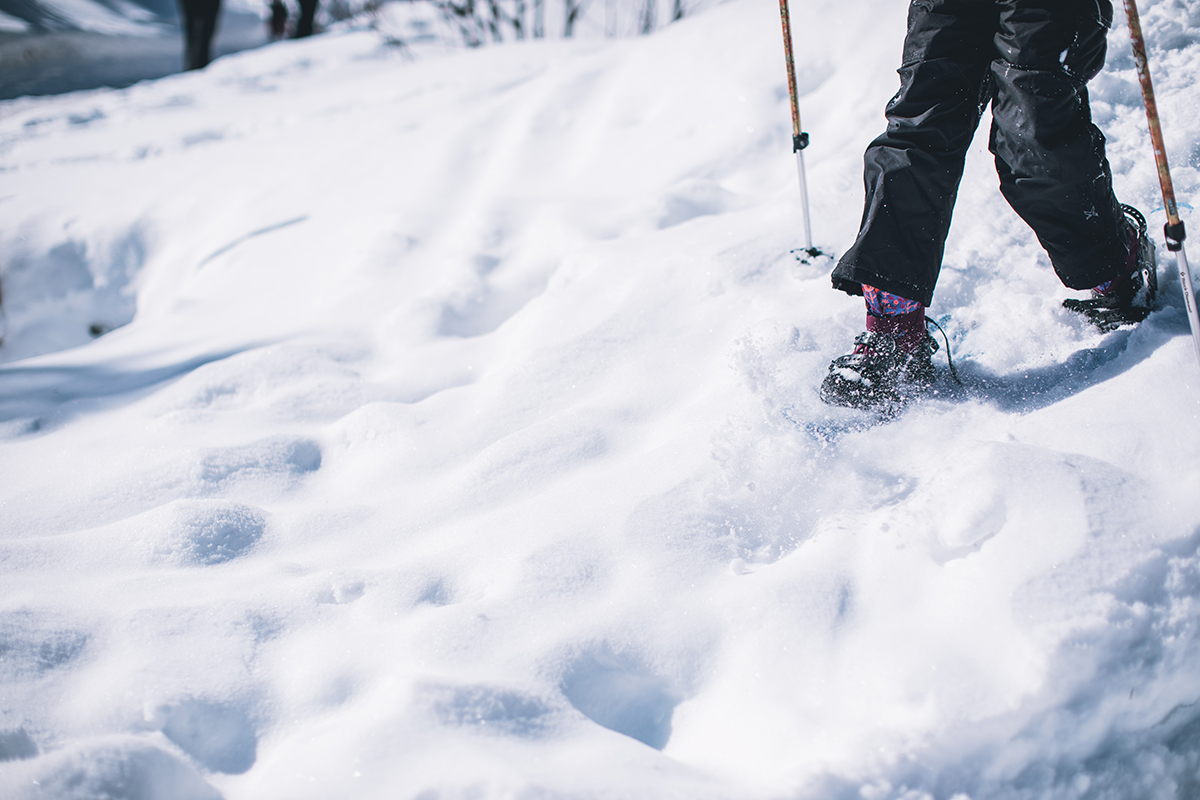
(200, 23)
(1050, 157)
(912, 171)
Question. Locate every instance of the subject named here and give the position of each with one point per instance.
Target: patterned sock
(895, 316)
(885, 304)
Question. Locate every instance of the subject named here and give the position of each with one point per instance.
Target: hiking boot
(1129, 299)
(881, 373)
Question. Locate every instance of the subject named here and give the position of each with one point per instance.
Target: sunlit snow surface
(457, 436)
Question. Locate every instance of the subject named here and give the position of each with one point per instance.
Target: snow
(453, 433)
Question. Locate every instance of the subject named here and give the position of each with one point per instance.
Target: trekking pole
(1174, 228)
(799, 138)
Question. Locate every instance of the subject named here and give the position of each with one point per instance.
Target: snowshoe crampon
(878, 375)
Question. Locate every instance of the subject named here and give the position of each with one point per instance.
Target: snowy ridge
(456, 436)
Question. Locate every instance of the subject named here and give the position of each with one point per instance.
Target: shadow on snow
(34, 398)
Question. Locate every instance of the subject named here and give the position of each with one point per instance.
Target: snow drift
(445, 426)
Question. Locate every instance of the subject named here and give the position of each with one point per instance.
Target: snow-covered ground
(456, 436)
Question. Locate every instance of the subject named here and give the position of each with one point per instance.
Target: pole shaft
(1189, 296)
(791, 65)
(799, 138)
(1156, 135)
(1164, 173)
(808, 243)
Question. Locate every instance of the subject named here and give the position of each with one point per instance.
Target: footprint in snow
(695, 198)
(493, 709)
(272, 458)
(16, 744)
(340, 591)
(615, 691)
(219, 736)
(34, 643)
(202, 532)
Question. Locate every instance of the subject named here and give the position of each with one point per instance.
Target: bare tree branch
(649, 16)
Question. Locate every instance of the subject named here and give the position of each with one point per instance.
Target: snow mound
(199, 532)
(387, 422)
(111, 767)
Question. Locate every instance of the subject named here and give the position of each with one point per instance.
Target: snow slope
(456, 436)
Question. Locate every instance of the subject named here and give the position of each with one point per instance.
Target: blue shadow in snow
(247, 237)
(1031, 389)
(1040, 387)
(616, 692)
(1016, 392)
(41, 397)
(218, 735)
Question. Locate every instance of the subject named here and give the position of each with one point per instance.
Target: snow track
(453, 433)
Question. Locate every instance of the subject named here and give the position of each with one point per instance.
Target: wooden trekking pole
(1174, 230)
(799, 138)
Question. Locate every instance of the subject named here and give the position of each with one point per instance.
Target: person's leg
(913, 170)
(912, 174)
(1050, 157)
(199, 24)
(308, 12)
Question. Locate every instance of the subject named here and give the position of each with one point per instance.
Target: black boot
(882, 372)
(1128, 299)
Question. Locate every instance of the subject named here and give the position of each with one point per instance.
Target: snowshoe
(879, 375)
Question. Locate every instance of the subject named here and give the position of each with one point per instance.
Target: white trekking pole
(1174, 229)
(799, 138)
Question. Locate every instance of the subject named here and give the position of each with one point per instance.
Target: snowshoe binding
(879, 375)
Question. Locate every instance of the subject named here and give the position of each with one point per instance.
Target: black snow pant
(1032, 60)
(199, 25)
